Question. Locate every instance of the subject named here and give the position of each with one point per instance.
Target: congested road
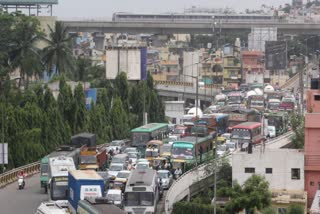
(15, 201)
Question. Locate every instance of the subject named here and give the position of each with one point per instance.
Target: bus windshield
(241, 133)
(140, 138)
(59, 188)
(182, 151)
(274, 121)
(138, 199)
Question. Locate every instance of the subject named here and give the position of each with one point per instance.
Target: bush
(184, 207)
(295, 209)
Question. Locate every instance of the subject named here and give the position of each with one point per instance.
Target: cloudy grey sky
(105, 8)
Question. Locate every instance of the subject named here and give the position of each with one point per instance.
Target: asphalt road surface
(26, 201)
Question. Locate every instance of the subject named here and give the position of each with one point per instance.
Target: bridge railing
(180, 188)
(188, 84)
(290, 81)
(12, 175)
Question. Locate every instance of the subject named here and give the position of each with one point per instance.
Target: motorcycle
(160, 188)
(21, 182)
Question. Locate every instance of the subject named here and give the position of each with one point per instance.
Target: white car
(232, 146)
(115, 168)
(143, 165)
(222, 150)
(133, 156)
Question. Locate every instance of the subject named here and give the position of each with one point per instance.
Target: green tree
(295, 209)
(122, 88)
(297, 124)
(83, 65)
(268, 210)
(254, 194)
(65, 102)
(58, 53)
(118, 118)
(24, 55)
(79, 109)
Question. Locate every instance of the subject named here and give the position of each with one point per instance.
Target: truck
(92, 158)
(256, 102)
(220, 100)
(82, 139)
(234, 99)
(279, 120)
(98, 206)
(287, 104)
(83, 184)
(58, 177)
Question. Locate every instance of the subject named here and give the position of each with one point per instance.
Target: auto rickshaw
(153, 150)
(158, 161)
(182, 164)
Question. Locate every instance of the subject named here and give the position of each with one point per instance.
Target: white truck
(58, 177)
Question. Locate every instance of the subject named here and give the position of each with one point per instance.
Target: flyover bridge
(202, 177)
(184, 27)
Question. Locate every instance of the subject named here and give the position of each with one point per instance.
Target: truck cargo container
(82, 139)
(83, 184)
(92, 158)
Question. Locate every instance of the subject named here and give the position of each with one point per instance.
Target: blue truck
(83, 184)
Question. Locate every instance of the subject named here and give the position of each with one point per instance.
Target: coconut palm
(58, 56)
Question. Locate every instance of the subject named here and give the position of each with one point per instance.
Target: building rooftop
(285, 197)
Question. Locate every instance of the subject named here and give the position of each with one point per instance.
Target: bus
(142, 192)
(153, 131)
(65, 150)
(279, 120)
(245, 133)
(58, 177)
(234, 98)
(185, 153)
(97, 206)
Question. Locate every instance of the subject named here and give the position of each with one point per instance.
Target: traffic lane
(27, 200)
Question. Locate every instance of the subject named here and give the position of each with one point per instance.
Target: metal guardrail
(188, 84)
(30, 169)
(181, 187)
(12, 175)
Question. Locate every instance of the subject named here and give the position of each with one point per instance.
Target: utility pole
(301, 86)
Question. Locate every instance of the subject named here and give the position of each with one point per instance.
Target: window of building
(249, 170)
(317, 97)
(268, 170)
(282, 210)
(295, 174)
(311, 183)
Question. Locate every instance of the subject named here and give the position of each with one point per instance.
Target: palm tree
(24, 55)
(58, 53)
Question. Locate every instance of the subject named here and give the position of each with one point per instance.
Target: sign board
(3, 153)
(276, 55)
(91, 97)
(237, 117)
(89, 191)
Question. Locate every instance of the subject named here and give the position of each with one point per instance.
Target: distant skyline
(105, 8)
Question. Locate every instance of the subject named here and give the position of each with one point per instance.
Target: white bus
(58, 177)
(142, 192)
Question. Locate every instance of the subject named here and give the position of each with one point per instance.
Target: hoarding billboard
(91, 97)
(276, 55)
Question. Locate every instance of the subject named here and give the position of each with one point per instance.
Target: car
(232, 146)
(130, 149)
(115, 168)
(142, 160)
(227, 136)
(106, 178)
(222, 150)
(114, 196)
(133, 156)
(121, 158)
(166, 178)
(117, 145)
(121, 180)
(143, 165)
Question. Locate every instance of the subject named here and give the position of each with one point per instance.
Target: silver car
(166, 178)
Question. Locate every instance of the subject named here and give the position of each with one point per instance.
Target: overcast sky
(105, 8)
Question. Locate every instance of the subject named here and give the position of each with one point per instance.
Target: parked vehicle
(166, 178)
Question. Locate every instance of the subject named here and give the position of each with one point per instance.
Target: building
(252, 67)
(131, 60)
(258, 37)
(175, 111)
(312, 140)
(282, 168)
(231, 67)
